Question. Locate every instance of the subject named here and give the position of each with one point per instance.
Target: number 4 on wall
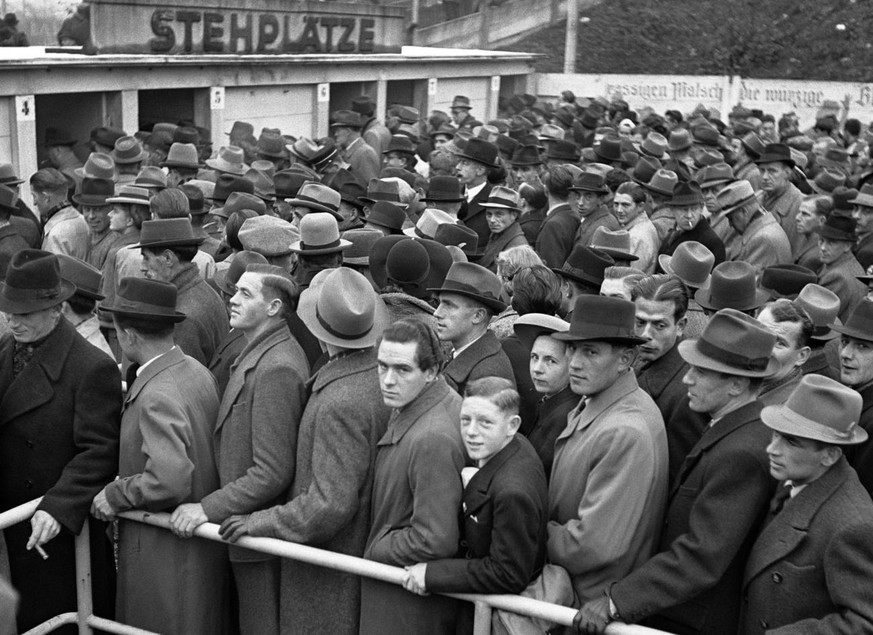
(24, 108)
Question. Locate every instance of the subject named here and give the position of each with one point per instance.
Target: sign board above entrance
(239, 27)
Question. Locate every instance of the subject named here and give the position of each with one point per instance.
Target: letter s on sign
(166, 37)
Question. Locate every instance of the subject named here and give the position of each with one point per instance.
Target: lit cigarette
(42, 552)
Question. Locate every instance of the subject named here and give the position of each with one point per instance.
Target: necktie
(130, 375)
(783, 493)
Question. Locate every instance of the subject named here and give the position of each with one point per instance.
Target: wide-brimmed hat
(564, 151)
(186, 134)
(151, 177)
(226, 279)
(182, 155)
(843, 196)
(822, 306)
(526, 156)
(346, 119)
(264, 188)
(444, 188)
(269, 236)
(461, 101)
(475, 282)
(242, 130)
(33, 283)
(827, 180)
(550, 132)
(238, 201)
(839, 227)
(95, 192)
(734, 196)
(8, 198)
(8, 176)
(821, 409)
(530, 326)
(319, 198)
(680, 139)
(864, 197)
(146, 299)
(502, 197)
(319, 234)
(480, 151)
(444, 129)
(686, 194)
(609, 149)
(859, 325)
(196, 198)
(776, 153)
(733, 343)
(691, 262)
(754, 145)
(227, 184)
(230, 159)
(98, 165)
(786, 281)
(654, 145)
(286, 183)
(428, 222)
(304, 148)
(408, 114)
(341, 308)
(128, 150)
(167, 232)
(616, 243)
(663, 182)
(388, 215)
(130, 195)
(401, 144)
(586, 265)
(460, 236)
(705, 135)
(86, 277)
(712, 175)
(601, 318)
(362, 242)
(383, 190)
(271, 143)
(590, 182)
(732, 286)
(645, 169)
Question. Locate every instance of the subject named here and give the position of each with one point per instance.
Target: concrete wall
(289, 108)
(39, 19)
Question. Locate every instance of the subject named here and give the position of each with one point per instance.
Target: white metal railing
(485, 604)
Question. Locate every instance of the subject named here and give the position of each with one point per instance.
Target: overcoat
(810, 568)
(329, 504)
(601, 217)
(473, 215)
(763, 243)
(840, 277)
(864, 251)
(168, 584)
(715, 507)
(557, 235)
(861, 456)
(416, 497)
(702, 233)
(66, 232)
(59, 427)
(784, 208)
(256, 431)
(608, 487)
(206, 323)
(231, 345)
(806, 253)
(483, 358)
(510, 237)
(550, 420)
(363, 161)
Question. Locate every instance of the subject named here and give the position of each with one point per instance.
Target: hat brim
(782, 419)
(569, 336)
(592, 282)
(315, 207)
(306, 309)
(373, 201)
(142, 157)
(181, 242)
(664, 260)
(128, 201)
(228, 168)
(92, 201)
(436, 200)
(528, 333)
(841, 329)
(702, 296)
(688, 351)
(495, 305)
(68, 289)
(464, 155)
(829, 234)
(601, 191)
(143, 315)
(180, 164)
(296, 248)
(616, 254)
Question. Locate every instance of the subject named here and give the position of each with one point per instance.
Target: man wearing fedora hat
(444, 193)
(58, 439)
(329, 504)
(469, 298)
(746, 152)
(79, 309)
(863, 215)
(256, 433)
(822, 307)
(168, 248)
(320, 247)
(581, 274)
(182, 163)
(692, 584)
(593, 489)
(166, 458)
(460, 110)
(24, 220)
(556, 238)
(92, 201)
(688, 207)
(840, 268)
(502, 211)
(589, 195)
(11, 241)
(60, 155)
(64, 229)
(778, 194)
(373, 131)
(475, 162)
(810, 565)
(363, 162)
(128, 155)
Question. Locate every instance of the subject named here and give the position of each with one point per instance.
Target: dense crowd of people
(617, 361)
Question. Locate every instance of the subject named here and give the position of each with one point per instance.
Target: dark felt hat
(106, 136)
(58, 137)
(645, 169)
(226, 279)
(145, 299)
(182, 155)
(8, 199)
(475, 282)
(33, 283)
(526, 156)
(238, 201)
(732, 287)
(196, 203)
(444, 188)
(362, 242)
(346, 119)
(86, 277)
(859, 325)
(388, 215)
(229, 183)
(733, 343)
(839, 227)
(480, 151)
(686, 194)
(408, 266)
(590, 182)
(586, 265)
(776, 153)
(364, 105)
(383, 190)
(167, 232)
(271, 144)
(8, 176)
(786, 281)
(401, 144)
(565, 151)
(460, 236)
(601, 318)
(609, 149)
(95, 192)
(288, 183)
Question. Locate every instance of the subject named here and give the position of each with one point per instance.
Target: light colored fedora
(230, 159)
(319, 234)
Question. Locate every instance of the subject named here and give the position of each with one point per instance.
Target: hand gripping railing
(485, 604)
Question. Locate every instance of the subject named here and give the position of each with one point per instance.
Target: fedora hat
(271, 144)
(242, 130)
(8, 176)
(341, 308)
(680, 139)
(264, 188)
(364, 105)
(427, 224)
(786, 281)
(186, 134)
(864, 197)
(502, 197)
(94, 192)
(319, 234)
(98, 165)
(346, 119)
(586, 265)
(58, 137)
(733, 343)
(590, 182)
(821, 409)
(226, 279)
(826, 180)
(401, 144)
(599, 318)
(461, 101)
(530, 326)
(151, 177)
(645, 169)
(691, 262)
(839, 227)
(663, 182)
(776, 153)
(388, 215)
(269, 236)
(822, 306)
(408, 114)
(106, 136)
(196, 199)
(609, 149)
(473, 281)
(287, 183)
(753, 144)
(318, 198)
(460, 236)
(167, 232)
(146, 299)
(686, 194)
(86, 277)
(732, 287)
(128, 150)
(480, 151)
(734, 196)
(362, 242)
(654, 145)
(843, 196)
(8, 198)
(526, 156)
(238, 201)
(564, 151)
(859, 325)
(589, 119)
(551, 132)
(705, 135)
(712, 175)
(444, 188)
(304, 148)
(383, 190)
(616, 243)
(182, 155)
(130, 195)
(230, 160)
(262, 165)
(33, 283)
(444, 129)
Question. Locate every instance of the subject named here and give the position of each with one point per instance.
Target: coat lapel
(166, 360)
(582, 415)
(476, 492)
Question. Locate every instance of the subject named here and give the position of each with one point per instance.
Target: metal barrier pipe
(19, 514)
(108, 626)
(481, 618)
(53, 623)
(84, 603)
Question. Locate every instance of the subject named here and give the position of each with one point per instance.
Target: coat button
(29, 443)
(764, 624)
(28, 484)
(776, 577)
(464, 544)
